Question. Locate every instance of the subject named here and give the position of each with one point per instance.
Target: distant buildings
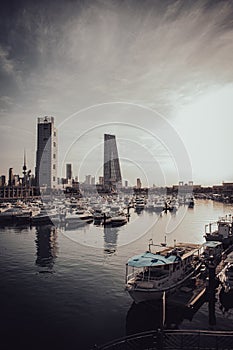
(28, 186)
(46, 154)
(112, 171)
(88, 180)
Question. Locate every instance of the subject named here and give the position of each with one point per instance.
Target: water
(65, 289)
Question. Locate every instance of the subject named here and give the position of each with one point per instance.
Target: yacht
(150, 274)
(79, 218)
(159, 205)
(221, 231)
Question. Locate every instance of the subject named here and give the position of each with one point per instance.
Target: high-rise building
(46, 154)
(68, 171)
(93, 180)
(139, 184)
(2, 180)
(10, 177)
(101, 180)
(112, 171)
(88, 180)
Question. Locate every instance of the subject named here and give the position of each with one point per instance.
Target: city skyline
(101, 67)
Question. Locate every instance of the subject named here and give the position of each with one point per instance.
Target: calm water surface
(64, 289)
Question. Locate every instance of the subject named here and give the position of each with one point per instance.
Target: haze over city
(157, 74)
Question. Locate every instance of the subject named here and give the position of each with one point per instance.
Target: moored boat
(152, 274)
(221, 231)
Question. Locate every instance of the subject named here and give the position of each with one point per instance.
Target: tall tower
(46, 154)
(112, 171)
(68, 171)
(24, 169)
(10, 177)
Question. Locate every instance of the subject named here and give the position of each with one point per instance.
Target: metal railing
(173, 340)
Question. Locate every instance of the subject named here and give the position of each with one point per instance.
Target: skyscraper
(46, 154)
(112, 171)
(68, 171)
(10, 177)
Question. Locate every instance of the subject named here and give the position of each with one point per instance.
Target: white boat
(118, 220)
(79, 217)
(45, 216)
(159, 205)
(221, 230)
(213, 251)
(149, 275)
(9, 215)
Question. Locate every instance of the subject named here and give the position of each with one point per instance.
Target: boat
(118, 220)
(221, 231)
(159, 206)
(114, 216)
(191, 202)
(150, 274)
(45, 216)
(79, 218)
(213, 251)
(139, 204)
(10, 214)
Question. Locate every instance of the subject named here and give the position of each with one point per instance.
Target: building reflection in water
(110, 239)
(46, 245)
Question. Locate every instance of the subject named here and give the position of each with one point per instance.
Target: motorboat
(159, 205)
(118, 220)
(221, 231)
(150, 274)
(9, 215)
(212, 251)
(79, 218)
(45, 216)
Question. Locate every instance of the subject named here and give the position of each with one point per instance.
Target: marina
(84, 268)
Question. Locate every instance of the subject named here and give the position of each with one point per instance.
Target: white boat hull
(150, 293)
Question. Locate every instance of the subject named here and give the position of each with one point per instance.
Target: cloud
(61, 57)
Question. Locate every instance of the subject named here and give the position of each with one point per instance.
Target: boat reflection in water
(152, 315)
(46, 246)
(110, 239)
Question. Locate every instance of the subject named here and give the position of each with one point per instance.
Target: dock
(190, 298)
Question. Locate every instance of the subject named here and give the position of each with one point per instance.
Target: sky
(157, 74)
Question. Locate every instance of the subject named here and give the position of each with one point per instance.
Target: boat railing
(146, 277)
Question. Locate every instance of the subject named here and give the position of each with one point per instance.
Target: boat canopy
(150, 259)
(212, 244)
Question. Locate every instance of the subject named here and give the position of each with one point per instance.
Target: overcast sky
(157, 74)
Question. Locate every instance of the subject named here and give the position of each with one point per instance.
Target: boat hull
(146, 294)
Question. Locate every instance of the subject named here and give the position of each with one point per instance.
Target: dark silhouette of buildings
(11, 177)
(112, 171)
(46, 154)
(68, 171)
